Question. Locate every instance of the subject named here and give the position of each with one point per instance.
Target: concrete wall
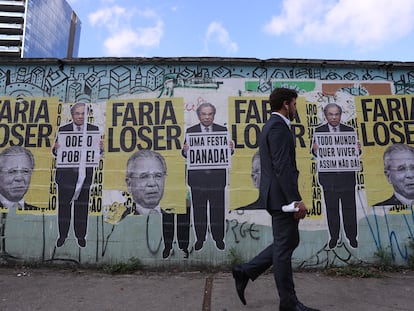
(148, 103)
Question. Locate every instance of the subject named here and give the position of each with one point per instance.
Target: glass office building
(38, 29)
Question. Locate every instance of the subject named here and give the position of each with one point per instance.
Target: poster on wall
(144, 170)
(386, 129)
(27, 134)
(78, 158)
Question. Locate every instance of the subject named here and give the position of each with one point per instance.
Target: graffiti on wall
(161, 162)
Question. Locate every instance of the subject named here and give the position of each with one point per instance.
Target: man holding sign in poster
(77, 148)
(208, 152)
(338, 160)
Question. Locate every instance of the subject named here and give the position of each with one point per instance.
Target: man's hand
(302, 212)
(55, 148)
(315, 148)
(185, 149)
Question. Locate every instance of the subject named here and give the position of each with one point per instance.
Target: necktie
(79, 128)
(334, 129)
(207, 129)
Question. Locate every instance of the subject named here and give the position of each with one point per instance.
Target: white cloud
(365, 24)
(217, 34)
(107, 16)
(126, 41)
(125, 31)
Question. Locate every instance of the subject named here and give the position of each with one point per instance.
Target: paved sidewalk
(52, 289)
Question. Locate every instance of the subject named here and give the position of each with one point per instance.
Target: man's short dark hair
(146, 154)
(279, 96)
(15, 150)
(198, 111)
(72, 109)
(331, 105)
(394, 148)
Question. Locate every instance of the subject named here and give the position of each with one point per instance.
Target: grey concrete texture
(53, 289)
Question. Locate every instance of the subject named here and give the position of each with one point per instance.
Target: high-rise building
(38, 29)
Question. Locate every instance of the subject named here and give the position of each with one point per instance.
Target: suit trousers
(66, 182)
(278, 254)
(183, 229)
(348, 204)
(215, 197)
(80, 213)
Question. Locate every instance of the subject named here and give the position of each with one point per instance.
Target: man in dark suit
(208, 185)
(281, 198)
(69, 179)
(16, 168)
(399, 171)
(338, 187)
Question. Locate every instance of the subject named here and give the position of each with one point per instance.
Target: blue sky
(307, 29)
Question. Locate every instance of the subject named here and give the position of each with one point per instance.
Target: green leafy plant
(385, 261)
(359, 271)
(235, 256)
(132, 265)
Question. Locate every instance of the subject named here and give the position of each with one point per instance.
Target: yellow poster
(247, 116)
(27, 131)
(386, 130)
(151, 130)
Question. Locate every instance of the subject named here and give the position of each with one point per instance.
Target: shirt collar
(145, 211)
(203, 128)
(8, 204)
(75, 127)
(331, 128)
(287, 121)
(403, 199)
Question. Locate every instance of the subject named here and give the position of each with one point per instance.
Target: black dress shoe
(166, 252)
(353, 243)
(241, 279)
(299, 307)
(332, 243)
(60, 241)
(220, 245)
(81, 242)
(198, 245)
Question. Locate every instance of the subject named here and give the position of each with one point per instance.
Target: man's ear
(387, 175)
(287, 104)
(128, 181)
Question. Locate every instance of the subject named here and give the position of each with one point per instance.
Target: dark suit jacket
(279, 174)
(198, 177)
(336, 181)
(27, 207)
(391, 201)
(63, 175)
